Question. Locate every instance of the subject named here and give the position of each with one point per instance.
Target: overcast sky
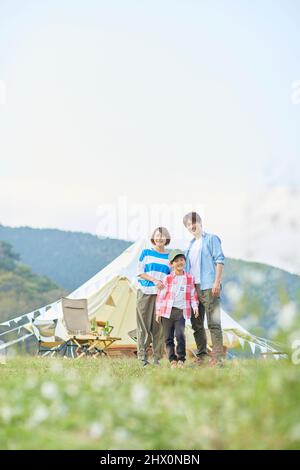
(108, 106)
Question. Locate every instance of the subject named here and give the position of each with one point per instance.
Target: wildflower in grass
(31, 382)
(101, 381)
(234, 292)
(255, 277)
(6, 414)
(96, 430)
(294, 433)
(276, 383)
(39, 415)
(58, 409)
(72, 390)
(71, 375)
(49, 390)
(56, 367)
(287, 315)
(121, 435)
(139, 394)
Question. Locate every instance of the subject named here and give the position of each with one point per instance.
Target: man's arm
(216, 288)
(219, 259)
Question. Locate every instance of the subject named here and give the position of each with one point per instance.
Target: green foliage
(20, 289)
(68, 258)
(7, 257)
(116, 404)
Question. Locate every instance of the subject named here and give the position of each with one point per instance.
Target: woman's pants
(148, 330)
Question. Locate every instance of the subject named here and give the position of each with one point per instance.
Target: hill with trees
(20, 289)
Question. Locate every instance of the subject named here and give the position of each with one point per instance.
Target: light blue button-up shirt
(211, 254)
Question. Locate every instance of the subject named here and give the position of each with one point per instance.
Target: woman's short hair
(193, 216)
(164, 232)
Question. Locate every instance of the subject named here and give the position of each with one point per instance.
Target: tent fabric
(111, 296)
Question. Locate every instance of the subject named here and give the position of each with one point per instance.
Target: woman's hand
(159, 285)
(158, 318)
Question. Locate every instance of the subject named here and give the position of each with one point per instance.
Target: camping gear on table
(81, 338)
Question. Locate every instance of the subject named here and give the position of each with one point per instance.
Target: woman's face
(159, 239)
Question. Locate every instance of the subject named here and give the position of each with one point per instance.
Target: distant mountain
(21, 290)
(68, 258)
(266, 300)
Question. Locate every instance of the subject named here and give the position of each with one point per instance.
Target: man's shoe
(180, 364)
(216, 362)
(174, 365)
(145, 363)
(201, 360)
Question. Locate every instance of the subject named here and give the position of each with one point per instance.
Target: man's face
(179, 263)
(195, 228)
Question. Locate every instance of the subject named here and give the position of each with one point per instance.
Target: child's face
(179, 263)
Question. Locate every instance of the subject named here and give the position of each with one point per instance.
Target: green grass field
(115, 404)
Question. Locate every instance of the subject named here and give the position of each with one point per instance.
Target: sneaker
(156, 362)
(145, 363)
(173, 364)
(180, 364)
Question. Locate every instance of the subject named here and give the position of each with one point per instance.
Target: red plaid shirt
(165, 297)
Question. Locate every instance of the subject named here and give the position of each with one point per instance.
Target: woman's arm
(147, 277)
(142, 275)
(159, 300)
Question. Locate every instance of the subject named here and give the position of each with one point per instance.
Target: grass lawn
(115, 404)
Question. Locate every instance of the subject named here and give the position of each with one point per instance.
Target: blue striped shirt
(154, 264)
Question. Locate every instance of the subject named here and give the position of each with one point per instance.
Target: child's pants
(174, 325)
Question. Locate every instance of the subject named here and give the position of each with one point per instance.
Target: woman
(153, 266)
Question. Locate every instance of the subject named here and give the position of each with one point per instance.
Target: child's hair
(163, 231)
(178, 256)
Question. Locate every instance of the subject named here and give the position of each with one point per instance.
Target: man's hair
(193, 216)
(163, 231)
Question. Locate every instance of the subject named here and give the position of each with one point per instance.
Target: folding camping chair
(82, 340)
(48, 343)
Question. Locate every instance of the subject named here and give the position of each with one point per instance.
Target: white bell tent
(111, 296)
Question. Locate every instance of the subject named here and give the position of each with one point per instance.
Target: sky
(117, 115)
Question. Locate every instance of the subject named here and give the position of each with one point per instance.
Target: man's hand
(159, 285)
(216, 289)
(196, 312)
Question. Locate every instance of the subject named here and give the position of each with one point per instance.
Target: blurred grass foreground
(115, 404)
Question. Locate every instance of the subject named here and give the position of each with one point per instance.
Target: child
(173, 307)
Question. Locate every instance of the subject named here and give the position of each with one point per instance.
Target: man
(205, 261)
